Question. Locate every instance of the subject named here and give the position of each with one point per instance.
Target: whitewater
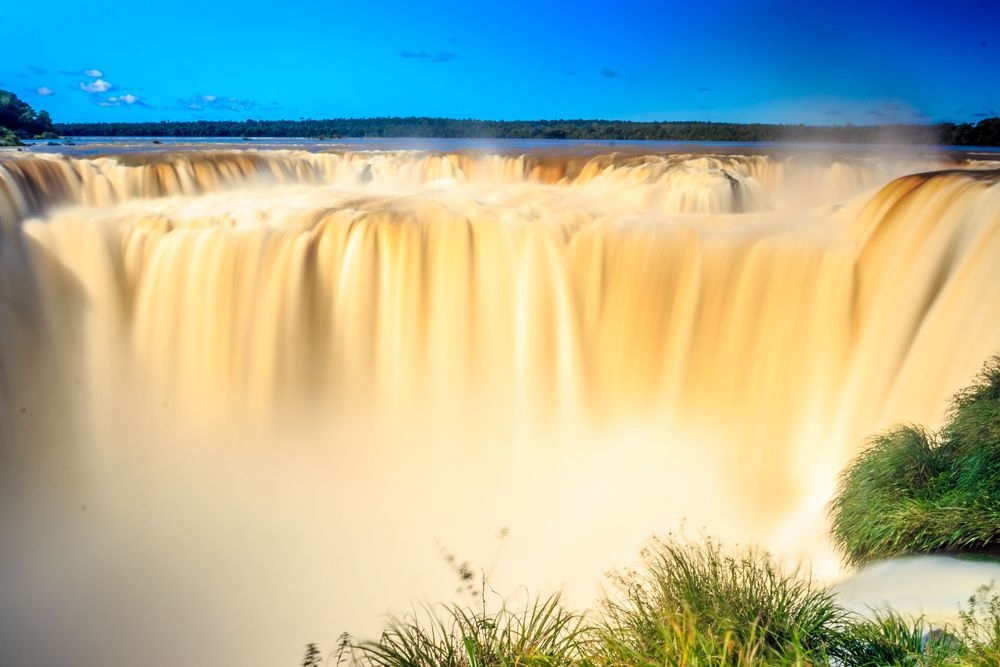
(248, 397)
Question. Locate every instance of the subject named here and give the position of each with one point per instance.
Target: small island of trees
(19, 121)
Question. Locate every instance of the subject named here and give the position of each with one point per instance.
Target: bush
(8, 138)
(913, 491)
(696, 604)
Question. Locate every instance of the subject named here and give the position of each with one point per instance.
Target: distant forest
(983, 133)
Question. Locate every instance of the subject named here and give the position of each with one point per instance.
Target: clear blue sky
(811, 62)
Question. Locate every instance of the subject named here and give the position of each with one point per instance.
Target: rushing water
(248, 396)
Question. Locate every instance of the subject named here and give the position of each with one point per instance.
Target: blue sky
(810, 62)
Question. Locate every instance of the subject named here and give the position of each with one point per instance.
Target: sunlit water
(249, 397)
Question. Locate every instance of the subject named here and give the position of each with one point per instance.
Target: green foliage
(985, 133)
(980, 627)
(18, 118)
(12, 109)
(8, 138)
(688, 605)
(917, 492)
(701, 605)
(542, 634)
(888, 639)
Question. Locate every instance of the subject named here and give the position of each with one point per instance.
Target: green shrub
(8, 138)
(698, 604)
(917, 492)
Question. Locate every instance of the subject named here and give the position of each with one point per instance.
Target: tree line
(19, 121)
(983, 133)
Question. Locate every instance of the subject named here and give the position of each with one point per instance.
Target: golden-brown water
(245, 395)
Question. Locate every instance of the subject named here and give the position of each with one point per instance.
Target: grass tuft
(542, 634)
(913, 491)
(700, 604)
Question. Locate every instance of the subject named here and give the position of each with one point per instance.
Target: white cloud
(117, 101)
(96, 73)
(98, 86)
(45, 91)
(215, 103)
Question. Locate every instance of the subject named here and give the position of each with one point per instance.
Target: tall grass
(688, 604)
(889, 639)
(542, 634)
(980, 627)
(699, 604)
(913, 491)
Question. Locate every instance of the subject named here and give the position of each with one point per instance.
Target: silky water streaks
(245, 392)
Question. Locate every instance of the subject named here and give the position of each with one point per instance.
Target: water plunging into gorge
(244, 395)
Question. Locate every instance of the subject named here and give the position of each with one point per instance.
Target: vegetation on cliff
(913, 491)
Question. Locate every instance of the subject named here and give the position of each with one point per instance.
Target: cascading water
(244, 392)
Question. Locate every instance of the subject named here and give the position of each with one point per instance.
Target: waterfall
(729, 327)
